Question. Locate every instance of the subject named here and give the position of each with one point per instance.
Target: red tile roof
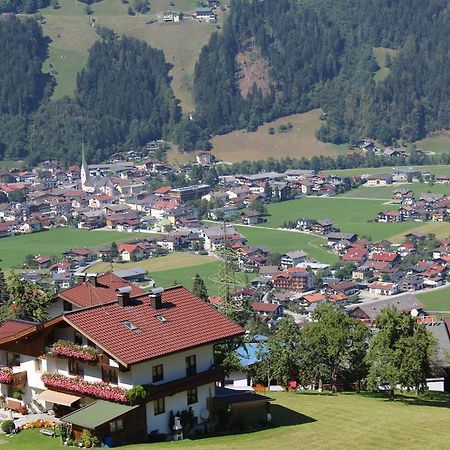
(162, 190)
(265, 307)
(314, 298)
(384, 257)
(90, 293)
(190, 322)
(15, 327)
(130, 248)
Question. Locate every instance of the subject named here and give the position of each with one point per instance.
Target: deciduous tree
(332, 347)
(399, 353)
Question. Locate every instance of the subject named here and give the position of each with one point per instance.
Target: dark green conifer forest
(312, 53)
(320, 54)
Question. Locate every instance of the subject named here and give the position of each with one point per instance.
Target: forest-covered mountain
(270, 59)
(22, 6)
(319, 53)
(123, 97)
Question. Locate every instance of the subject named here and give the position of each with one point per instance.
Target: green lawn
(345, 421)
(9, 164)
(350, 215)
(438, 300)
(175, 268)
(286, 241)
(72, 34)
(435, 169)
(14, 249)
(386, 191)
(185, 276)
(436, 144)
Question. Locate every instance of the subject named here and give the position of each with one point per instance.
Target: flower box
(70, 350)
(6, 375)
(78, 385)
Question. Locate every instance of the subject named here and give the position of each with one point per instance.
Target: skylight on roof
(161, 319)
(131, 326)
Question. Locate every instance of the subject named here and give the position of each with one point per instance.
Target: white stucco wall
(174, 366)
(177, 403)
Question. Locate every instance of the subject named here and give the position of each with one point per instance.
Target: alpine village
(224, 224)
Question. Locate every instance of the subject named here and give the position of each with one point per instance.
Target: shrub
(17, 395)
(271, 130)
(8, 426)
(89, 440)
(137, 394)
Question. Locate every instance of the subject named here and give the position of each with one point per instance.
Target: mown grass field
(344, 421)
(9, 164)
(177, 268)
(171, 261)
(440, 229)
(436, 144)
(385, 192)
(14, 249)
(350, 215)
(436, 300)
(286, 241)
(72, 34)
(435, 169)
(300, 141)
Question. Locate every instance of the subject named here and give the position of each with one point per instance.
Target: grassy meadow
(175, 268)
(300, 141)
(436, 170)
(380, 54)
(286, 241)
(14, 249)
(350, 215)
(345, 421)
(385, 192)
(436, 300)
(439, 143)
(72, 34)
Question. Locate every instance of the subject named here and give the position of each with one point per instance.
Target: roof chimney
(123, 296)
(156, 298)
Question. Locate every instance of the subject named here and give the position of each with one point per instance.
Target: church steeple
(84, 175)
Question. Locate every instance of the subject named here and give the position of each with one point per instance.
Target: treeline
(318, 163)
(22, 6)
(123, 98)
(320, 54)
(23, 85)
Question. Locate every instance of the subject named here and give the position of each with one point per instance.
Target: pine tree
(199, 288)
(4, 293)
(114, 251)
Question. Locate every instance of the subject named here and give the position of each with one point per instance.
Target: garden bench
(47, 432)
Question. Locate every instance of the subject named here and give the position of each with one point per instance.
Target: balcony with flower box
(6, 375)
(77, 385)
(83, 353)
(13, 376)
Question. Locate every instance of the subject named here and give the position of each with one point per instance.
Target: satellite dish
(204, 414)
(414, 312)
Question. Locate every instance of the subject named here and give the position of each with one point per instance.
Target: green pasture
(287, 241)
(350, 215)
(436, 300)
(14, 249)
(344, 421)
(385, 192)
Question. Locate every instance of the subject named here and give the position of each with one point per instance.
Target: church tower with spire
(84, 175)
